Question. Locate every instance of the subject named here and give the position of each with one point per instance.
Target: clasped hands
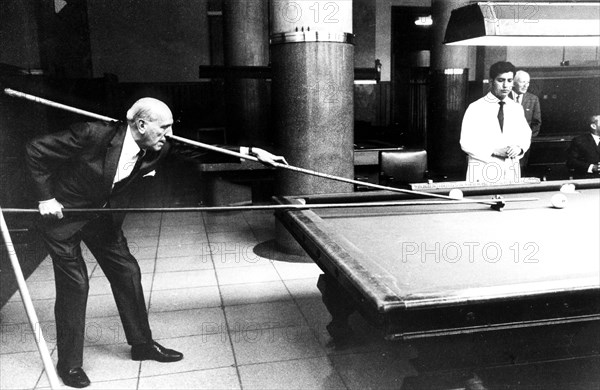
(510, 151)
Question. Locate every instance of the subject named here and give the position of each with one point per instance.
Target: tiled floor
(243, 321)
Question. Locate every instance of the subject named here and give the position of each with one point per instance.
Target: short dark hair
(501, 67)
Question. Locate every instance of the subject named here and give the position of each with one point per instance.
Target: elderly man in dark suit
(531, 107)
(92, 165)
(583, 156)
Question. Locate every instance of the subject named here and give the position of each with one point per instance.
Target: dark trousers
(109, 246)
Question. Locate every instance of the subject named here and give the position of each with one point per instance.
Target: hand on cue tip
(51, 208)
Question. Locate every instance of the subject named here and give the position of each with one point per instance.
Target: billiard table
(417, 270)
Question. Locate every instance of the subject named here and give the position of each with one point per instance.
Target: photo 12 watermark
(469, 252)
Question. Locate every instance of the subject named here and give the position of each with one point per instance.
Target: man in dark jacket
(583, 156)
(531, 107)
(92, 165)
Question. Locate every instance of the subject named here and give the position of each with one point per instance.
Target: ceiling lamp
(525, 24)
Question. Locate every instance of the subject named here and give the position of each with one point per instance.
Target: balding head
(150, 120)
(147, 108)
(521, 82)
(594, 122)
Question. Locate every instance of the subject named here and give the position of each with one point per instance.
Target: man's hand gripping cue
(265, 157)
(51, 208)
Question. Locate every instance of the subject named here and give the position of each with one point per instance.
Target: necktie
(136, 167)
(138, 162)
(501, 115)
(519, 97)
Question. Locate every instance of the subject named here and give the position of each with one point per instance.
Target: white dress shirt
(517, 97)
(128, 158)
(481, 136)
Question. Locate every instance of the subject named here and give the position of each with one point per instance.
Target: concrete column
(246, 43)
(448, 95)
(312, 93)
(312, 58)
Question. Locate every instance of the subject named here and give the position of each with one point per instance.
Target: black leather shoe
(154, 351)
(75, 377)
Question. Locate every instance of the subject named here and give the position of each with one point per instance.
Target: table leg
(339, 304)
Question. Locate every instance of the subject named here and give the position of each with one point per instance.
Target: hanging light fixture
(525, 24)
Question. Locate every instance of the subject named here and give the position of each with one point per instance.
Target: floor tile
(233, 255)
(140, 231)
(182, 238)
(261, 233)
(142, 253)
(181, 219)
(38, 290)
(303, 288)
(184, 263)
(104, 331)
(182, 323)
(135, 219)
(253, 346)
(222, 379)
(142, 240)
(317, 317)
(99, 285)
(304, 374)
(184, 279)
(242, 294)
(185, 298)
(147, 266)
(297, 270)
(20, 370)
(196, 249)
(41, 274)
(102, 306)
(119, 384)
(264, 315)
(14, 311)
(258, 274)
(238, 236)
(195, 351)
(196, 229)
(15, 338)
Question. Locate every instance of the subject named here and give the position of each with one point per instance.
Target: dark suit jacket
(77, 167)
(583, 152)
(533, 113)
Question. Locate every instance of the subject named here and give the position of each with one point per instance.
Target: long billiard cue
(29, 309)
(22, 95)
(326, 175)
(291, 206)
(497, 204)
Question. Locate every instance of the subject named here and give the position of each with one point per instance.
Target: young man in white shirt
(494, 132)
